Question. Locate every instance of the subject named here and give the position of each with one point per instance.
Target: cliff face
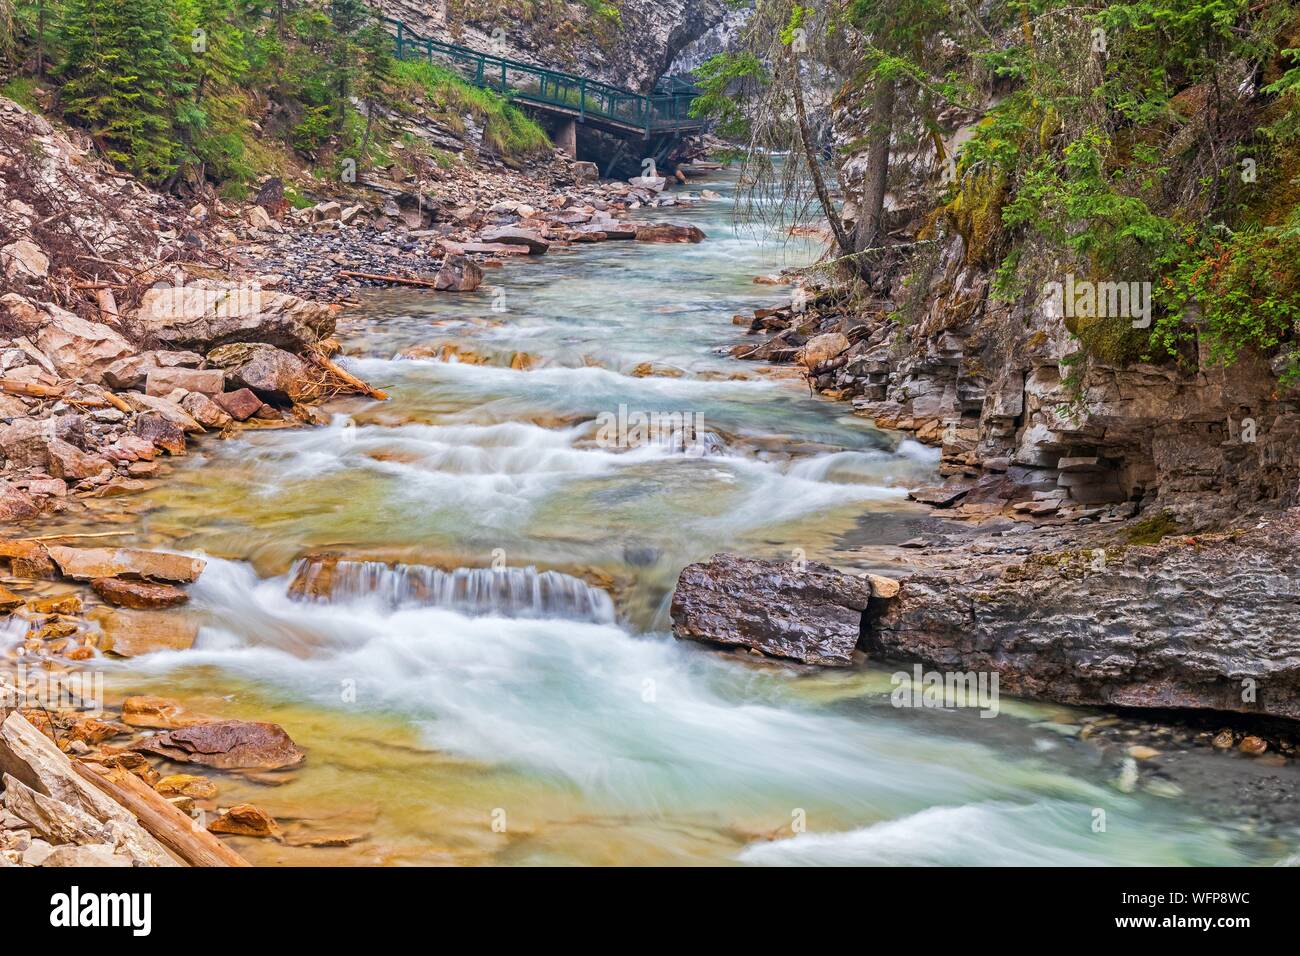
(1022, 410)
(1205, 623)
(628, 43)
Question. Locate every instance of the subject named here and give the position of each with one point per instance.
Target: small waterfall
(510, 592)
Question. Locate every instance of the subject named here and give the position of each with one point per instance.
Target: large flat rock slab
(808, 613)
(1204, 623)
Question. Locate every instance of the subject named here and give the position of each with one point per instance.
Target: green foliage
(1153, 529)
(1239, 293)
(505, 127)
(1071, 199)
(22, 90)
(169, 88)
(722, 78)
(123, 75)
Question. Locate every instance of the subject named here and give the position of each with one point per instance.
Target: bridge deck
(586, 101)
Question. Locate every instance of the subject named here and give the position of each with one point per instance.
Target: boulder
(458, 274)
(240, 404)
(1211, 624)
(72, 464)
(27, 559)
(270, 196)
(259, 218)
(131, 633)
(652, 183)
(21, 314)
(24, 261)
(138, 594)
(133, 371)
(52, 819)
(163, 381)
(822, 348)
(246, 820)
(205, 410)
(200, 318)
(510, 236)
(172, 411)
(25, 443)
(668, 232)
(585, 172)
(86, 564)
(272, 374)
(809, 613)
(80, 349)
(228, 745)
(32, 758)
(159, 432)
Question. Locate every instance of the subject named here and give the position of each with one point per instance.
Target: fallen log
(163, 821)
(399, 280)
(29, 389)
(347, 377)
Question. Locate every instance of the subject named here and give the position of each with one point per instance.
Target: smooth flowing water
(491, 679)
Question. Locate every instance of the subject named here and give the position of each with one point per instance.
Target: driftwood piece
(168, 825)
(399, 280)
(37, 390)
(348, 377)
(29, 389)
(29, 756)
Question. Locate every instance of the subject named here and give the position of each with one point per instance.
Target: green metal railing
(666, 110)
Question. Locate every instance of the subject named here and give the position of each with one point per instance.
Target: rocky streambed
(439, 629)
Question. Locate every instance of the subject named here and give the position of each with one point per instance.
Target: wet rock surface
(811, 614)
(228, 745)
(1190, 623)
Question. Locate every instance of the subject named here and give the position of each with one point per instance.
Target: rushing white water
(511, 592)
(641, 725)
(442, 696)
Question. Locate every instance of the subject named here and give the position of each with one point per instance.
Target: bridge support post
(566, 137)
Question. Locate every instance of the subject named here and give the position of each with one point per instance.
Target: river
(453, 718)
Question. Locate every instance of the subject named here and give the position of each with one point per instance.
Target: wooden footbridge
(660, 118)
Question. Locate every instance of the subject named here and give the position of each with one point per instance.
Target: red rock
(130, 448)
(229, 745)
(668, 232)
(158, 431)
(138, 594)
(205, 411)
(240, 405)
(71, 463)
(15, 504)
(86, 564)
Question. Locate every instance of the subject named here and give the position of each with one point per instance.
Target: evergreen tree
(122, 75)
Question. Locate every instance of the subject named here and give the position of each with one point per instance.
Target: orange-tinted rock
(246, 820)
(86, 564)
(186, 785)
(138, 594)
(161, 713)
